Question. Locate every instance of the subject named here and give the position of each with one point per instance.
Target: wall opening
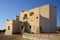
(37, 17)
(31, 13)
(22, 27)
(8, 27)
(30, 27)
(25, 16)
(40, 29)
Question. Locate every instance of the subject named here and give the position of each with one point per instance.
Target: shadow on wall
(45, 24)
(25, 27)
(17, 28)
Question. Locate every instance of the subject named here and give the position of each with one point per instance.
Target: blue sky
(10, 8)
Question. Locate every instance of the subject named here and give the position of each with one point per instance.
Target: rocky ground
(41, 37)
(45, 36)
(13, 37)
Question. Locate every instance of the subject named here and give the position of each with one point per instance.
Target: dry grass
(11, 37)
(19, 37)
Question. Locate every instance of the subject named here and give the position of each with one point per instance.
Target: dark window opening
(30, 26)
(8, 27)
(37, 17)
(22, 27)
(31, 13)
(41, 29)
(25, 16)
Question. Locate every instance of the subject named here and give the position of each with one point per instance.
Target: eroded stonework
(40, 19)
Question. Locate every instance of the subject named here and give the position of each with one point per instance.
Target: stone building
(40, 19)
(12, 26)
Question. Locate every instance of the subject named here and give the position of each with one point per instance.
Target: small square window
(37, 17)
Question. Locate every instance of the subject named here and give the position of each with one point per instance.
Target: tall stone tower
(40, 19)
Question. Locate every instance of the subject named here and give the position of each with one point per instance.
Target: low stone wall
(41, 36)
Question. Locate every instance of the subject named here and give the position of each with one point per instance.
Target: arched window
(31, 13)
(25, 16)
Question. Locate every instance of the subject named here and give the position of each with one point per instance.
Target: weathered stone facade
(43, 17)
(40, 19)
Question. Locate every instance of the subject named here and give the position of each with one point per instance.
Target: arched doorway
(24, 27)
